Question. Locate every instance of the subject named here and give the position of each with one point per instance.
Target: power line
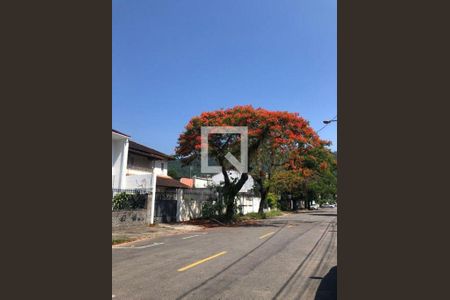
(326, 124)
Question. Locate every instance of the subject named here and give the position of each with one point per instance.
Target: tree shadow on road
(326, 215)
(327, 289)
(245, 223)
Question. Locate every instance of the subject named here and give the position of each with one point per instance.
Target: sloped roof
(187, 181)
(147, 151)
(170, 182)
(121, 133)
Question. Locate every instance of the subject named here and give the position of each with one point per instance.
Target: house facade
(134, 165)
(144, 160)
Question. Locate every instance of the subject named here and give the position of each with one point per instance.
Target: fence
(166, 205)
(190, 207)
(131, 206)
(202, 194)
(166, 195)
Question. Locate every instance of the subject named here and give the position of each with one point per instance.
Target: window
(130, 160)
(162, 166)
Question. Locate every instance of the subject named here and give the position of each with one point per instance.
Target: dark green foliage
(173, 173)
(177, 167)
(123, 201)
(213, 209)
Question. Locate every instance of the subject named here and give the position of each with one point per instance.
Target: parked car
(327, 205)
(314, 205)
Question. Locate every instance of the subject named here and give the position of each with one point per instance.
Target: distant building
(187, 181)
(202, 182)
(218, 179)
(197, 182)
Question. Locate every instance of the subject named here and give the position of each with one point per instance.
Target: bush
(120, 201)
(212, 209)
(129, 201)
(272, 200)
(137, 200)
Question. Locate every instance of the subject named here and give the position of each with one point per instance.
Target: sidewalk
(123, 235)
(138, 232)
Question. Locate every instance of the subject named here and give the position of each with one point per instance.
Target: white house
(134, 164)
(202, 182)
(247, 203)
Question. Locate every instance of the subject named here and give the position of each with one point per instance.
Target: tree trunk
(230, 192)
(263, 203)
(263, 192)
(305, 197)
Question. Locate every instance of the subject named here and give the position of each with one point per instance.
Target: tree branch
(241, 182)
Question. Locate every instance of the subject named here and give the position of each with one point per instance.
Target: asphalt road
(290, 257)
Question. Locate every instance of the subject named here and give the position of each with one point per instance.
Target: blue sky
(174, 59)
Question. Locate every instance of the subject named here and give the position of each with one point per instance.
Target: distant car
(326, 205)
(314, 206)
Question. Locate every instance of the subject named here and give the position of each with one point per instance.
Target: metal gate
(165, 207)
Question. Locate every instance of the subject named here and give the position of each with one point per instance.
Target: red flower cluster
(284, 132)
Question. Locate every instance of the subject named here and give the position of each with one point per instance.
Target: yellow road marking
(201, 261)
(266, 235)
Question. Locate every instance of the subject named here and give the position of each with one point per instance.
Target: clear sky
(173, 59)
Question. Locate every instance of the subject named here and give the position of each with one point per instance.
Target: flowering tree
(275, 140)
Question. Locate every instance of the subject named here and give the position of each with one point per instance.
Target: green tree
(173, 174)
(313, 177)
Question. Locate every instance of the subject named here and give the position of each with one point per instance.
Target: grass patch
(116, 241)
(258, 216)
(273, 213)
(254, 216)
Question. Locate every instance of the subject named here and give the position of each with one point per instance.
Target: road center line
(266, 235)
(188, 237)
(201, 261)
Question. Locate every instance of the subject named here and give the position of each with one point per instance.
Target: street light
(326, 122)
(329, 121)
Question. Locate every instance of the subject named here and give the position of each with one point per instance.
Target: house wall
(249, 204)
(139, 165)
(119, 157)
(142, 165)
(189, 209)
(142, 181)
(160, 167)
(200, 183)
(129, 217)
(190, 205)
